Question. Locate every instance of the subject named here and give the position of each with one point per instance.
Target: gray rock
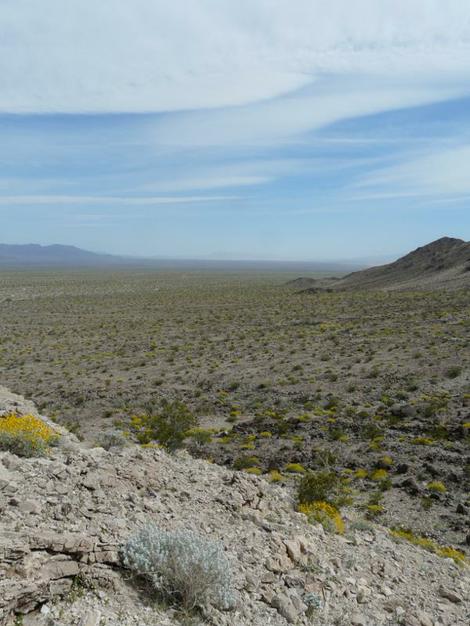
(357, 619)
(285, 607)
(91, 618)
(450, 595)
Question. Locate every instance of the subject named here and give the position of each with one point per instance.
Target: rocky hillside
(64, 518)
(442, 264)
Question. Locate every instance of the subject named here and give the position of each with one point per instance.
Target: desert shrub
(111, 439)
(182, 566)
(200, 436)
(244, 462)
(436, 486)
(257, 471)
(422, 441)
(319, 487)
(446, 552)
(169, 427)
(26, 435)
(275, 476)
(295, 468)
(379, 474)
(361, 473)
(374, 510)
(324, 513)
(453, 372)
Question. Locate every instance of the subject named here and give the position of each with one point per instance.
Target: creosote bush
(169, 427)
(26, 435)
(182, 566)
(319, 487)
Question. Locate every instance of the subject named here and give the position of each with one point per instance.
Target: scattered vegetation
(430, 545)
(26, 435)
(327, 381)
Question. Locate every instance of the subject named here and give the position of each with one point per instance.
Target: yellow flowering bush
(445, 552)
(324, 513)
(25, 435)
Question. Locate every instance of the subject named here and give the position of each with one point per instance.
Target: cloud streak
(436, 173)
(107, 200)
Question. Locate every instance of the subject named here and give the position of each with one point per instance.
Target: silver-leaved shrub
(183, 566)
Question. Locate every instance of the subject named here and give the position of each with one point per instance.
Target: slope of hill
(65, 517)
(52, 256)
(442, 264)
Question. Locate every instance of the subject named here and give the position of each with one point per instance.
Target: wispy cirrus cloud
(107, 200)
(438, 172)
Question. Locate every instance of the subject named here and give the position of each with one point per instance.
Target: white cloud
(155, 55)
(209, 182)
(106, 200)
(281, 118)
(441, 172)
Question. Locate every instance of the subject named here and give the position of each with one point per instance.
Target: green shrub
(319, 486)
(436, 486)
(200, 436)
(453, 372)
(244, 462)
(169, 427)
(295, 468)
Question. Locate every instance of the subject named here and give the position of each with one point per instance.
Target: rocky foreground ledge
(63, 519)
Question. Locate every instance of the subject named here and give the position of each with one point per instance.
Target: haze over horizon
(235, 130)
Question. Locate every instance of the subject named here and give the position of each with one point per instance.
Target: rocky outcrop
(64, 517)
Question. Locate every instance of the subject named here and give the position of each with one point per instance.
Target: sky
(257, 129)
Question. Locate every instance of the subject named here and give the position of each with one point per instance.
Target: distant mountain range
(59, 256)
(442, 264)
(56, 255)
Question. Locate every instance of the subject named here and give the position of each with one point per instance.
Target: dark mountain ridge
(441, 264)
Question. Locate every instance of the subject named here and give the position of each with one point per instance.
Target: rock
(92, 618)
(424, 619)
(450, 595)
(285, 607)
(60, 566)
(362, 595)
(461, 509)
(30, 506)
(357, 619)
(411, 486)
(293, 550)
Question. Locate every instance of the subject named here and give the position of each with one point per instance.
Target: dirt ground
(356, 382)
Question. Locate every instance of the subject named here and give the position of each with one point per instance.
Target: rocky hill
(65, 516)
(442, 264)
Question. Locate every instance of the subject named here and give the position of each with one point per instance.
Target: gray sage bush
(182, 566)
(111, 439)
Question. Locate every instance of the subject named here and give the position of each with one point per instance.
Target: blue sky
(235, 130)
